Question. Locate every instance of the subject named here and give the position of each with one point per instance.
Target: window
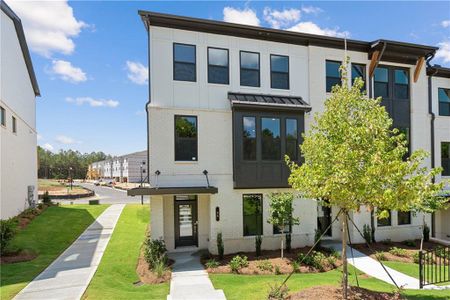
(444, 102)
(332, 73)
(184, 62)
(252, 212)
(291, 139)
(185, 138)
(287, 228)
(218, 66)
(445, 158)
(250, 69)
(385, 221)
(404, 217)
(359, 70)
(2, 116)
(401, 84)
(271, 142)
(381, 82)
(249, 138)
(14, 125)
(407, 134)
(279, 72)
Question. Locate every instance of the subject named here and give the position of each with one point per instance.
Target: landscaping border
(90, 193)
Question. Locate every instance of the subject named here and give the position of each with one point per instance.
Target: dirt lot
(56, 188)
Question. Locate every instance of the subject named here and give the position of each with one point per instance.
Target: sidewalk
(70, 274)
(190, 281)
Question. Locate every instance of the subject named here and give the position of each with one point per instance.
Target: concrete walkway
(374, 269)
(70, 274)
(189, 280)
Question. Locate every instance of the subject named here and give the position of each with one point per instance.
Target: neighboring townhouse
(439, 91)
(18, 137)
(228, 101)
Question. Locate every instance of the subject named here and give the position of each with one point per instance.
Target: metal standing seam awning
(188, 190)
(267, 102)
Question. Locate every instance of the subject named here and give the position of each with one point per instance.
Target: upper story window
(2, 116)
(218, 66)
(359, 70)
(292, 139)
(250, 69)
(401, 84)
(279, 72)
(444, 101)
(252, 214)
(445, 158)
(14, 125)
(333, 75)
(270, 138)
(184, 62)
(186, 138)
(249, 138)
(391, 83)
(381, 82)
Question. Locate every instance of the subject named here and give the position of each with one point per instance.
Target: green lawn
(412, 269)
(48, 235)
(117, 271)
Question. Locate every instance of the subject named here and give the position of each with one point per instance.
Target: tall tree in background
(353, 157)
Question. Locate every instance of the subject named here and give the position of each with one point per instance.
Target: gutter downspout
(147, 104)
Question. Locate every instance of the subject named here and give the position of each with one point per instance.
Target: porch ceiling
(188, 190)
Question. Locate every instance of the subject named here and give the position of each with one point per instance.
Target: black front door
(324, 219)
(186, 224)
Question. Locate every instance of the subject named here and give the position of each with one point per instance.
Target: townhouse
(228, 101)
(18, 137)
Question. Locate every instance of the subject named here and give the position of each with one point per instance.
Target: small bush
(278, 292)
(238, 262)
(314, 259)
(367, 233)
(159, 268)
(258, 242)
(155, 253)
(288, 242)
(220, 246)
(332, 261)
(426, 233)
(380, 255)
(265, 265)
(441, 252)
(296, 266)
(386, 242)
(277, 270)
(415, 257)
(7, 231)
(409, 243)
(317, 236)
(46, 198)
(212, 264)
(398, 251)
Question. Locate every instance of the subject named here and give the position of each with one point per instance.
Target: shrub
(367, 233)
(441, 252)
(288, 242)
(332, 260)
(238, 262)
(426, 233)
(258, 242)
(220, 246)
(386, 242)
(317, 236)
(409, 243)
(415, 257)
(278, 292)
(159, 268)
(314, 259)
(296, 266)
(46, 198)
(380, 255)
(277, 270)
(7, 231)
(398, 251)
(265, 265)
(155, 253)
(212, 263)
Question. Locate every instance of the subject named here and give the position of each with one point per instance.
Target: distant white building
(18, 137)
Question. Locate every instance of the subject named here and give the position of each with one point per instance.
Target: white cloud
(137, 72)
(445, 23)
(67, 71)
(245, 16)
(50, 26)
(278, 19)
(93, 102)
(311, 9)
(312, 28)
(48, 147)
(444, 51)
(65, 140)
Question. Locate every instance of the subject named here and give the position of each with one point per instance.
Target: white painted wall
(18, 155)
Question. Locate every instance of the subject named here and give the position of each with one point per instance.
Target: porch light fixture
(205, 172)
(157, 172)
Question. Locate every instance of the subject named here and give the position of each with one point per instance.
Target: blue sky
(90, 57)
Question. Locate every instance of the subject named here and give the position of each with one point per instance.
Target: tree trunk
(282, 240)
(344, 258)
(372, 224)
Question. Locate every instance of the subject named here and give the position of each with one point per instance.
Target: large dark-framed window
(184, 62)
(292, 138)
(385, 221)
(14, 124)
(333, 76)
(218, 65)
(270, 138)
(279, 71)
(186, 138)
(2, 116)
(359, 70)
(403, 217)
(444, 101)
(252, 214)
(401, 84)
(249, 137)
(391, 82)
(250, 68)
(381, 82)
(445, 158)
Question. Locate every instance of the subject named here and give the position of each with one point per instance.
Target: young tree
(281, 213)
(353, 157)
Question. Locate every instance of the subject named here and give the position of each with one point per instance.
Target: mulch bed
(279, 265)
(16, 257)
(328, 292)
(147, 276)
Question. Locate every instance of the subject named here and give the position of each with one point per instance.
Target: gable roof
(395, 51)
(23, 45)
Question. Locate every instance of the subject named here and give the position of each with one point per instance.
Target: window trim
(398, 219)
(326, 76)
(176, 137)
(208, 64)
(241, 68)
(14, 124)
(439, 103)
(288, 72)
(174, 62)
(261, 200)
